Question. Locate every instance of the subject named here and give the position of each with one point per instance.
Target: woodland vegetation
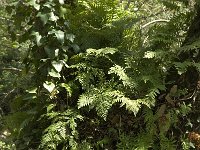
(99, 74)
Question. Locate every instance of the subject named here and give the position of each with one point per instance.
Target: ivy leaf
(60, 35)
(43, 17)
(76, 48)
(53, 73)
(52, 17)
(49, 4)
(47, 16)
(61, 1)
(50, 51)
(49, 86)
(57, 65)
(34, 4)
(37, 38)
(70, 37)
(32, 91)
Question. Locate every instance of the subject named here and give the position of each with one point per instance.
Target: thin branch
(154, 21)
(11, 69)
(7, 94)
(16, 69)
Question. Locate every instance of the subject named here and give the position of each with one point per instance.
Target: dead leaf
(173, 90)
(169, 100)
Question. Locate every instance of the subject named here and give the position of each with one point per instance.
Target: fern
(103, 55)
(101, 99)
(62, 130)
(144, 141)
(182, 67)
(166, 144)
(54, 135)
(119, 71)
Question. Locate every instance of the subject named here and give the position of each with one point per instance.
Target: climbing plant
(104, 75)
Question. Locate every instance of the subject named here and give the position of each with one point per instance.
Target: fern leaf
(120, 72)
(102, 51)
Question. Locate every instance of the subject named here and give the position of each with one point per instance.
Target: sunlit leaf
(70, 37)
(53, 73)
(33, 90)
(61, 1)
(34, 4)
(43, 17)
(67, 88)
(53, 17)
(37, 38)
(49, 86)
(57, 65)
(60, 36)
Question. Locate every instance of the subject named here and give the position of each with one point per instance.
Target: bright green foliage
(99, 72)
(57, 133)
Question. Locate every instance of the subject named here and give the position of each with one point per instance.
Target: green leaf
(34, 4)
(57, 65)
(70, 37)
(33, 90)
(60, 36)
(37, 38)
(119, 71)
(43, 17)
(67, 88)
(47, 16)
(182, 66)
(49, 4)
(50, 51)
(50, 107)
(53, 73)
(149, 54)
(131, 105)
(102, 51)
(63, 11)
(53, 17)
(49, 86)
(61, 1)
(76, 48)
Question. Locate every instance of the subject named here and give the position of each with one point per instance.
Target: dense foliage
(105, 75)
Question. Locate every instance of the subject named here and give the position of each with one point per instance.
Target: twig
(189, 97)
(7, 94)
(154, 21)
(11, 69)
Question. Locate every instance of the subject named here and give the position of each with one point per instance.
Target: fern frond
(100, 98)
(101, 52)
(182, 66)
(53, 135)
(166, 143)
(120, 72)
(61, 131)
(103, 99)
